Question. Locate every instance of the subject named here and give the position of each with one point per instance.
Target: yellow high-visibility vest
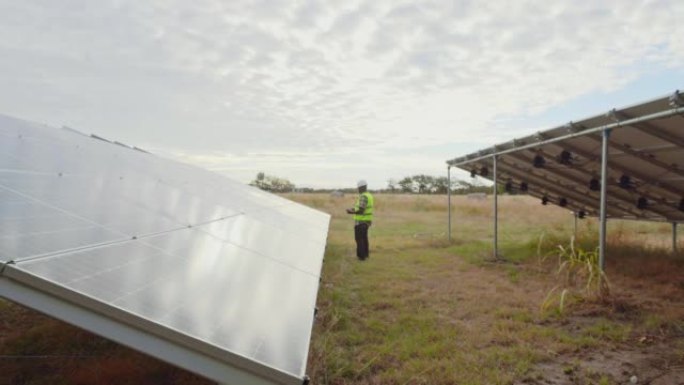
(367, 215)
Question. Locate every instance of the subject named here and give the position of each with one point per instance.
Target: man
(363, 217)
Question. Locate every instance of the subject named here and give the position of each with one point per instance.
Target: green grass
(607, 330)
(423, 310)
(426, 310)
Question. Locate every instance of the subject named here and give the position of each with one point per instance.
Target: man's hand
(350, 211)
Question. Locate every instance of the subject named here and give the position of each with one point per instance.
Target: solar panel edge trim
(312, 320)
(13, 273)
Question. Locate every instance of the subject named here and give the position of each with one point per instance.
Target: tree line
(428, 184)
(272, 183)
(416, 184)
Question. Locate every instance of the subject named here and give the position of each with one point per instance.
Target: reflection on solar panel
(645, 174)
(178, 262)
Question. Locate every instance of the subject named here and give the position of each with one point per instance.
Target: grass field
(423, 310)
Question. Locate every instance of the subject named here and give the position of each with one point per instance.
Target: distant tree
(424, 183)
(392, 185)
(463, 187)
(272, 183)
(281, 185)
(260, 181)
(406, 184)
(428, 184)
(441, 183)
(460, 186)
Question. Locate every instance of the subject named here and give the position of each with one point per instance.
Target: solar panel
(167, 252)
(645, 162)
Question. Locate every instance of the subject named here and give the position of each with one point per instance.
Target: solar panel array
(645, 163)
(176, 251)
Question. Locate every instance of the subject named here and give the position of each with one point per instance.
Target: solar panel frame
(657, 176)
(74, 183)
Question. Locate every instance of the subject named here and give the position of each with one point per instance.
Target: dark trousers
(361, 236)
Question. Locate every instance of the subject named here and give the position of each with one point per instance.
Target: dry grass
(424, 310)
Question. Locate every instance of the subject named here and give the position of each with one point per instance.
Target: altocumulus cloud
(320, 91)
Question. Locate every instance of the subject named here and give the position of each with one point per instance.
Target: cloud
(229, 82)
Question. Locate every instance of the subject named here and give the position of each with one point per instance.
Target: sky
(324, 93)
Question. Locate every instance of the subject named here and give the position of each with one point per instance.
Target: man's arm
(363, 203)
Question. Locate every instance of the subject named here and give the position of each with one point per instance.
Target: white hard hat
(362, 182)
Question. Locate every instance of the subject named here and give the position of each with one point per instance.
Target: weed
(579, 264)
(582, 277)
(659, 324)
(609, 331)
(555, 295)
(513, 274)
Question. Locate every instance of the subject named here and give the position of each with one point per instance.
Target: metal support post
(574, 214)
(449, 199)
(604, 191)
(674, 237)
(496, 210)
